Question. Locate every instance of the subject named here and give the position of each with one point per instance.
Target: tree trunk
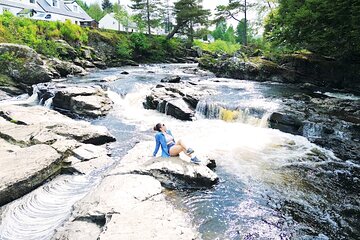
(175, 30)
(148, 16)
(245, 25)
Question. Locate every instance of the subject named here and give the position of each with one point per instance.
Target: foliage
(95, 11)
(39, 35)
(218, 46)
(329, 27)
(83, 5)
(123, 48)
(149, 12)
(107, 6)
(189, 13)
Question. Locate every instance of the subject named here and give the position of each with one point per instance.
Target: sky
(208, 4)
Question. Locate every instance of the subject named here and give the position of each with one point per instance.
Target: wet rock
(177, 100)
(171, 79)
(83, 101)
(23, 64)
(124, 73)
(286, 123)
(87, 152)
(100, 64)
(84, 63)
(22, 170)
(110, 79)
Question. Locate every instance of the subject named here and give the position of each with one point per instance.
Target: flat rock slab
(127, 207)
(173, 173)
(23, 169)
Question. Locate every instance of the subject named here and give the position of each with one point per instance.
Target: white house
(50, 10)
(109, 22)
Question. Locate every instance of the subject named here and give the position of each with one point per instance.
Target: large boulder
(177, 100)
(23, 64)
(24, 169)
(84, 101)
(64, 50)
(286, 123)
(171, 79)
(120, 214)
(65, 68)
(175, 173)
(34, 141)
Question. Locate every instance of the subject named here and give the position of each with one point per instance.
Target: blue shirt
(161, 141)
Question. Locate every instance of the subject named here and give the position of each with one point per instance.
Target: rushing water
(273, 185)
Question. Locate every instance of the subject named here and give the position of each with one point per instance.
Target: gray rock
(175, 173)
(65, 68)
(177, 100)
(171, 79)
(286, 123)
(64, 50)
(24, 169)
(83, 101)
(120, 215)
(23, 64)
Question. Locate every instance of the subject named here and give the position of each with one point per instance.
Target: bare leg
(178, 148)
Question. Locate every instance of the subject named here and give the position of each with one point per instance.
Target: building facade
(47, 10)
(110, 22)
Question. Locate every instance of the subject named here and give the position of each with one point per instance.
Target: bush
(123, 49)
(73, 33)
(218, 46)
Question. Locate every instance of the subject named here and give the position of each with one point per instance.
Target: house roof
(36, 7)
(63, 10)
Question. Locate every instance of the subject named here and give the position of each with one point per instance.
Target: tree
(189, 13)
(149, 11)
(323, 26)
(107, 6)
(95, 11)
(83, 5)
(220, 30)
(229, 35)
(121, 15)
(232, 10)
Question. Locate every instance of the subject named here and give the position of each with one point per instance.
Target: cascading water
(273, 185)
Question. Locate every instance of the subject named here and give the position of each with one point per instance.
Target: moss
(6, 81)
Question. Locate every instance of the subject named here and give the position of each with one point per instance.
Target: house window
(5, 9)
(75, 8)
(32, 1)
(55, 3)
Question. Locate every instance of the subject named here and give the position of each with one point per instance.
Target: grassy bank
(43, 35)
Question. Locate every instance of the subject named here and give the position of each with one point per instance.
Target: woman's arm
(157, 140)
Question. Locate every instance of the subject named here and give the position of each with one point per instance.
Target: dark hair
(157, 127)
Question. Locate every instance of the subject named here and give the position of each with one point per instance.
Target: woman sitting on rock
(169, 147)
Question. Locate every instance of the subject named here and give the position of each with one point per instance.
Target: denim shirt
(160, 141)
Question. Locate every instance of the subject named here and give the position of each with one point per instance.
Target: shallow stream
(273, 185)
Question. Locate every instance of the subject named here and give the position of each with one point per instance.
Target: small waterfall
(34, 98)
(48, 103)
(212, 110)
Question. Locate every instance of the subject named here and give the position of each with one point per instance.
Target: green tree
(329, 27)
(95, 11)
(83, 5)
(220, 30)
(229, 35)
(189, 13)
(122, 15)
(148, 11)
(107, 6)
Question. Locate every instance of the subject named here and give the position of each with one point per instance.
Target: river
(273, 185)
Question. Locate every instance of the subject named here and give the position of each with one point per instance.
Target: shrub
(218, 46)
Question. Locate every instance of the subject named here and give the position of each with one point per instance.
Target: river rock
(82, 101)
(23, 64)
(175, 173)
(286, 123)
(171, 79)
(65, 68)
(177, 100)
(120, 214)
(24, 169)
(64, 50)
